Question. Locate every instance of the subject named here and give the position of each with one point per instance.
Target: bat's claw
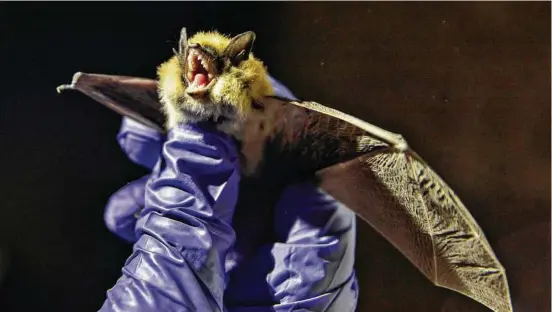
(65, 87)
(71, 86)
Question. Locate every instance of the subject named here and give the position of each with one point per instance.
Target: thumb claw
(62, 88)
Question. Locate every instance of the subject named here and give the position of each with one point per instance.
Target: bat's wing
(389, 186)
(370, 170)
(133, 97)
(528, 270)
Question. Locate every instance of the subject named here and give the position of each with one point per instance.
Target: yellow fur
(212, 39)
(171, 89)
(238, 86)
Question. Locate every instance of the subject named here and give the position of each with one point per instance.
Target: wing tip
(71, 86)
(64, 87)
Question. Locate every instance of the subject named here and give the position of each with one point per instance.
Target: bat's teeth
(210, 76)
(207, 65)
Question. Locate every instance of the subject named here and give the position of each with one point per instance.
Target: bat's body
(370, 170)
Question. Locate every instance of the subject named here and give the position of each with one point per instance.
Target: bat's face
(212, 77)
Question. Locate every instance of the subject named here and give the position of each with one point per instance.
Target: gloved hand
(184, 231)
(308, 267)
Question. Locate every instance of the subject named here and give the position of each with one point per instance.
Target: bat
(370, 170)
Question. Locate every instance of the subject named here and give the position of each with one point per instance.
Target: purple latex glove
(141, 143)
(310, 267)
(184, 230)
(123, 207)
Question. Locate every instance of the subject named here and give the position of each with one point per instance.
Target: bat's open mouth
(200, 72)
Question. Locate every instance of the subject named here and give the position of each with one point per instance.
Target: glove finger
(121, 211)
(140, 143)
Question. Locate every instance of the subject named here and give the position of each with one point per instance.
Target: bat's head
(212, 77)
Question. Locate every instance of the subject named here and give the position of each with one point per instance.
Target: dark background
(467, 84)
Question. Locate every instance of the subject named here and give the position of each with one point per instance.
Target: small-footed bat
(370, 170)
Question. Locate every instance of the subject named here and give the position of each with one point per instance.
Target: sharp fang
(210, 76)
(208, 66)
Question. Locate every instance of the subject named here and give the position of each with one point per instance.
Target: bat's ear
(183, 42)
(239, 47)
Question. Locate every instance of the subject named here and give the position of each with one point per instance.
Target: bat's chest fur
(188, 110)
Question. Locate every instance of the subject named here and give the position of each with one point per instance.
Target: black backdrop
(468, 84)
